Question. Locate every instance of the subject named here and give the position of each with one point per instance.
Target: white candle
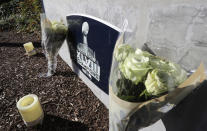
(30, 109)
(29, 49)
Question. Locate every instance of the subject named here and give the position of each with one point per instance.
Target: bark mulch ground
(67, 102)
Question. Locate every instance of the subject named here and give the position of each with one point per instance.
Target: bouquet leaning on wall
(143, 86)
(53, 35)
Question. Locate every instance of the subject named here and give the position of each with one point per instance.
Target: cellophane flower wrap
(53, 35)
(143, 86)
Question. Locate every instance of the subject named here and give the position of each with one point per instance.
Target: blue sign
(91, 43)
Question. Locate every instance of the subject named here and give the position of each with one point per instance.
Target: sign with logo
(91, 43)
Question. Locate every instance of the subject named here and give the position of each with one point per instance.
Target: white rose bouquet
(143, 87)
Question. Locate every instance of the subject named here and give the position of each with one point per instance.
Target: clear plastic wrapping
(53, 36)
(144, 86)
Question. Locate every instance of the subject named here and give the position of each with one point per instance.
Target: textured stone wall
(179, 32)
(176, 29)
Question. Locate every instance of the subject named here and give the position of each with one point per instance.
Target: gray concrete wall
(176, 29)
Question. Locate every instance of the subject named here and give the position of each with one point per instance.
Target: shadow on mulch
(65, 74)
(39, 55)
(5, 44)
(54, 123)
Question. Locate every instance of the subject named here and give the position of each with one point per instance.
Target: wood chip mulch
(68, 104)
